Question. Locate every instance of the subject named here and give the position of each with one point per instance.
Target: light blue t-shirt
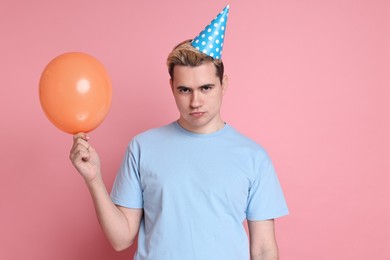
(196, 190)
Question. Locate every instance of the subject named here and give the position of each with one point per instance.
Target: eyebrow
(202, 86)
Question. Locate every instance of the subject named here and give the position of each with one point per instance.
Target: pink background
(309, 80)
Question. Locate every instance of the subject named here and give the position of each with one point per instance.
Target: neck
(205, 129)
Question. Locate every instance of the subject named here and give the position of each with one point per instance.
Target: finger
(80, 155)
(81, 135)
(80, 139)
(77, 148)
(73, 155)
(80, 145)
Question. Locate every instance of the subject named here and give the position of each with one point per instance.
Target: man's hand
(85, 158)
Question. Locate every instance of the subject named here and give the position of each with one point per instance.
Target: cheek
(217, 99)
(180, 102)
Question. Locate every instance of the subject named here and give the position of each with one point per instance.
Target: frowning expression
(198, 94)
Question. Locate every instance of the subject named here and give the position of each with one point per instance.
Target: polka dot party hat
(210, 40)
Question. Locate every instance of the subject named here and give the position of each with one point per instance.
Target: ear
(225, 81)
(171, 83)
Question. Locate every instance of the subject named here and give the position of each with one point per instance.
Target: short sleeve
(127, 190)
(266, 199)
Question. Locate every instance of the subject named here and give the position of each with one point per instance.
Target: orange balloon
(75, 92)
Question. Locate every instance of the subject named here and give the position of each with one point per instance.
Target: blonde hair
(185, 54)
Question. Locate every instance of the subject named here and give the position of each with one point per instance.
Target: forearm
(271, 255)
(263, 244)
(111, 219)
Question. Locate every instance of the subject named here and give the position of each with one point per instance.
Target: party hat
(210, 40)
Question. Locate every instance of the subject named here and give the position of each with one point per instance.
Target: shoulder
(243, 140)
(248, 149)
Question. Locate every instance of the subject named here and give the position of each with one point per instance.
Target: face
(198, 94)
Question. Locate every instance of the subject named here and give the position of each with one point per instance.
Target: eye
(206, 88)
(184, 90)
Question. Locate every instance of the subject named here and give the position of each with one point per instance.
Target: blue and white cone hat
(210, 40)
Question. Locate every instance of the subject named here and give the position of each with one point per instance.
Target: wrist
(95, 180)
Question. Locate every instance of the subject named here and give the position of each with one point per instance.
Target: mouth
(197, 114)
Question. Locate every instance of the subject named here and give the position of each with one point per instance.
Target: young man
(186, 188)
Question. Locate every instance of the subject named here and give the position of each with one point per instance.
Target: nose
(195, 100)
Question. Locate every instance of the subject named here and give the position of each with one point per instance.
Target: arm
(119, 224)
(262, 240)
